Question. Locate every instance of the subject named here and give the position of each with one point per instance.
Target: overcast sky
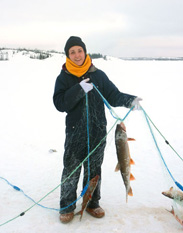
(120, 28)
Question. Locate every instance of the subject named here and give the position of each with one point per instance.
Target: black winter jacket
(69, 97)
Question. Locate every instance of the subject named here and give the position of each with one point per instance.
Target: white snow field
(30, 126)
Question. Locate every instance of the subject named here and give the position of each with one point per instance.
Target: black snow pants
(76, 150)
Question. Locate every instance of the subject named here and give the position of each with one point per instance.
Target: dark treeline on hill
(37, 54)
(97, 55)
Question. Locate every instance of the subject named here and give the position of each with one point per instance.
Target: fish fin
(132, 177)
(79, 213)
(81, 217)
(117, 167)
(176, 216)
(171, 211)
(130, 193)
(132, 162)
(131, 139)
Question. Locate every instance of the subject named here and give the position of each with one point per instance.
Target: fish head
(120, 132)
(123, 126)
(169, 193)
(174, 194)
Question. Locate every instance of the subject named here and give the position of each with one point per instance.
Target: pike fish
(88, 195)
(174, 194)
(124, 159)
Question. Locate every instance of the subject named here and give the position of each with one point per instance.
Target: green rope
(10, 220)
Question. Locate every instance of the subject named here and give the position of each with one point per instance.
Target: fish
(174, 194)
(176, 216)
(88, 194)
(124, 159)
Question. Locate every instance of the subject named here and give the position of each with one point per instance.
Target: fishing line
(113, 113)
(37, 203)
(88, 136)
(115, 116)
(176, 183)
(89, 154)
(166, 141)
(147, 117)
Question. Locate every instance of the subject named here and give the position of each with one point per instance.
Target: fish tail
(130, 193)
(81, 217)
(80, 213)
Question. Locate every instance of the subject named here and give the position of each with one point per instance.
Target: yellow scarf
(76, 70)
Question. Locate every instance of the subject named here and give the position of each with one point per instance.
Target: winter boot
(65, 218)
(96, 212)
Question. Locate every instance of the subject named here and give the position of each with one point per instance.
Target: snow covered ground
(30, 126)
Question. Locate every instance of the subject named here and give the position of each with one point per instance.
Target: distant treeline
(32, 53)
(43, 54)
(152, 58)
(35, 53)
(97, 55)
(4, 56)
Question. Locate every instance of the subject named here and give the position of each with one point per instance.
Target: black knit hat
(74, 41)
